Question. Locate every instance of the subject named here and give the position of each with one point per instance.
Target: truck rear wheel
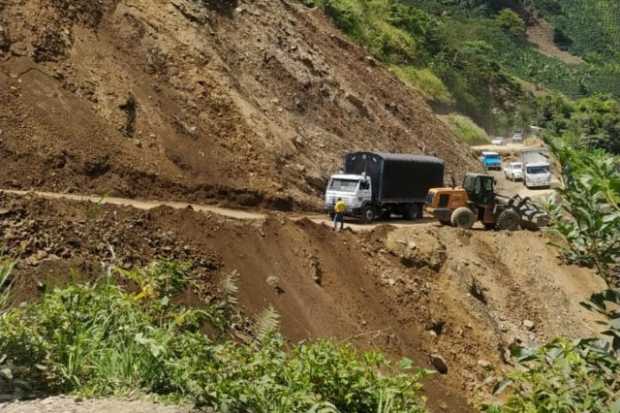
(412, 212)
(509, 220)
(368, 214)
(463, 218)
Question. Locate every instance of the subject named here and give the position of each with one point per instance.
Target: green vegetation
(472, 55)
(588, 28)
(426, 82)
(512, 23)
(588, 217)
(580, 376)
(465, 129)
(100, 339)
(586, 123)
(563, 377)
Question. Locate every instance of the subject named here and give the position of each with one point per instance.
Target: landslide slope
(253, 102)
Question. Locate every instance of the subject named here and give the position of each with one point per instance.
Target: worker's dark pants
(339, 218)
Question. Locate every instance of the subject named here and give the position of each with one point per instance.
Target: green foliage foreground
(563, 377)
(100, 339)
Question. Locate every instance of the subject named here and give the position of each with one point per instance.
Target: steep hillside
(254, 102)
(420, 291)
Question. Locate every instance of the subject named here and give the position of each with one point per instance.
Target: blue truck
(491, 160)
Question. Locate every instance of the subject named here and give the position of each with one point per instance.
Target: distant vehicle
(377, 184)
(514, 171)
(491, 160)
(477, 200)
(517, 137)
(497, 140)
(536, 168)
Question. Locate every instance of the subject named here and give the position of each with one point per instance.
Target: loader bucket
(532, 216)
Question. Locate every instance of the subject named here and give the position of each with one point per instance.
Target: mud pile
(450, 300)
(254, 103)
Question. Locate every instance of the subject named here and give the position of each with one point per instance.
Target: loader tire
(509, 220)
(463, 218)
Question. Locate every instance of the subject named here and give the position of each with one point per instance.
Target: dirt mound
(421, 291)
(255, 103)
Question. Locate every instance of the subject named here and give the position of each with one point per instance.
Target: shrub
(510, 22)
(100, 340)
(466, 130)
(563, 377)
(425, 81)
(588, 216)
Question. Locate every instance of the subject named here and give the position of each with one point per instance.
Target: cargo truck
(536, 168)
(378, 184)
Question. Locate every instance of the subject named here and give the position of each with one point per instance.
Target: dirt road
(238, 214)
(70, 405)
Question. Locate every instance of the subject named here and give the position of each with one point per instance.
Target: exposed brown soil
(70, 405)
(413, 291)
(253, 103)
(541, 34)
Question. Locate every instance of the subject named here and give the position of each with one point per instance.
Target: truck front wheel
(368, 214)
(463, 218)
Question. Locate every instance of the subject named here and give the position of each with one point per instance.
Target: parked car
(517, 137)
(491, 160)
(536, 168)
(497, 140)
(514, 171)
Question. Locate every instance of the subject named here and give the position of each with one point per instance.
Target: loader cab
(480, 188)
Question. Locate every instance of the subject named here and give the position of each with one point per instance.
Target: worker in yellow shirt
(339, 209)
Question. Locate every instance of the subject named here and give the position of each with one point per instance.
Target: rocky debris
(34, 237)
(5, 43)
(416, 250)
(317, 273)
(219, 64)
(529, 324)
(51, 46)
(485, 364)
(439, 363)
(274, 282)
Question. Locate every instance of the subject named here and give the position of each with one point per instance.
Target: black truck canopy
(397, 177)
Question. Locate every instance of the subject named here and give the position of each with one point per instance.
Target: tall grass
(426, 82)
(466, 130)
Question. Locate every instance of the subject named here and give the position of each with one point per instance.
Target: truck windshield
(343, 185)
(535, 170)
(492, 157)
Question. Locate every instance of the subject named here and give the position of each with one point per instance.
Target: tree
(510, 22)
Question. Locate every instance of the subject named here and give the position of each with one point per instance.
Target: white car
(517, 137)
(514, 171)
(497, 141)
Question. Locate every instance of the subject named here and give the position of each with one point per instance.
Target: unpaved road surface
(71, 405)
(244, 215)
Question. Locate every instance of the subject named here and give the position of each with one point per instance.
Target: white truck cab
(537, 175)
(355, 191)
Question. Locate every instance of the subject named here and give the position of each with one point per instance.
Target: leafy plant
(467, 130)
(563, 377)
(588, 215)
(100, 339)
(603, 303)
(510, 22)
